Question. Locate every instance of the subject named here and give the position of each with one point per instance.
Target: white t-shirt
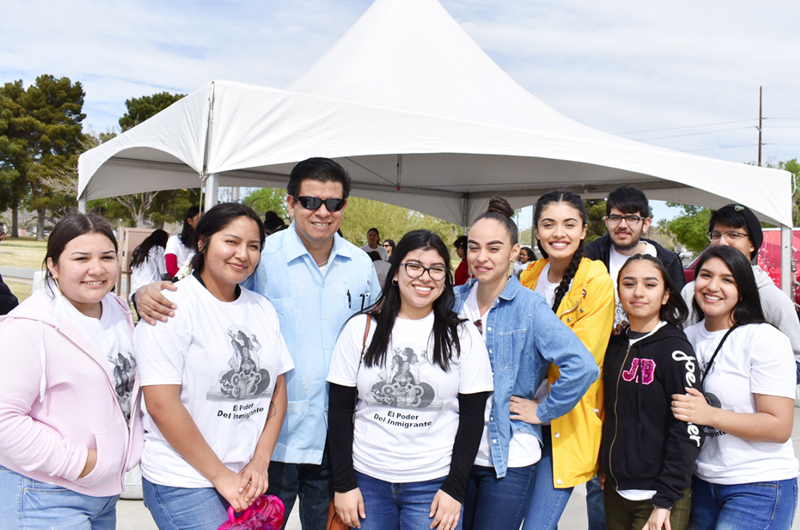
(382, 269)
(111, 337)
(183, 253)
(545, 287)
(519, 267)
(149, 271)
(226, 356)
(380, 250)
(754, 359)
(407, 412)
(615, 263)
(524, 449)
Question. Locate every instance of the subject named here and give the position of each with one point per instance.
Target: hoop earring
(394, 282)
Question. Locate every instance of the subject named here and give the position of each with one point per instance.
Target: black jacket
(7, 299)
(600, 249)
(644, 447)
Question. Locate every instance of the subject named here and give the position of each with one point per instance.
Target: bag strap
(714, 355)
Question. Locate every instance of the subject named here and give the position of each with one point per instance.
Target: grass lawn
(21, 290)
(23, 252)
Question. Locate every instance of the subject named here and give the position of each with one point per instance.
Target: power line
(651, 103)
(693, 134)
(715, 148)
(686, 127)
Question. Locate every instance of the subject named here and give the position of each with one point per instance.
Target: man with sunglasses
(627, 218)
(315, 280)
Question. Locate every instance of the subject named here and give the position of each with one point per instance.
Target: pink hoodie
(57, 401)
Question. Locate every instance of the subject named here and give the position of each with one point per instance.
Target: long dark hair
(675, 311)
(574, 200)
(386, 308)
(215, 220)
(748, 309)
(157, 239)
(187, 232)
(67, 229)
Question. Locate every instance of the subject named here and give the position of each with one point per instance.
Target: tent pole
(212, 191)
(82, 204)
(787, 275)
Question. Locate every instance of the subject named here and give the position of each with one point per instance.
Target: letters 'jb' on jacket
(587, 309)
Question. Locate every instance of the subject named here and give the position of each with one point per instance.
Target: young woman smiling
(70, 424)
(523, 338)
(746, 475)
(581, 294)
(213, 382)
(647, 457)
(417, 378)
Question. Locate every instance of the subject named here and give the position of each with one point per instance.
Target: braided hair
(574, 200)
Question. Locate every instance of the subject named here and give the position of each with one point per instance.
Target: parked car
(769, 259)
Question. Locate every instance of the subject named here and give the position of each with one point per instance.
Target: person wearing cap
(737, 226)
(462, 271)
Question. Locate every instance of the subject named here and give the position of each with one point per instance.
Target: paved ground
(17, 273)
(132, 515)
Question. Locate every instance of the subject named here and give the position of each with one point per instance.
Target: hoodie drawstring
(43, 360)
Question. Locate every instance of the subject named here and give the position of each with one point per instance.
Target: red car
(769, 259)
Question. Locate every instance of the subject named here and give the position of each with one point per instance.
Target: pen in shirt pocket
(349, 300)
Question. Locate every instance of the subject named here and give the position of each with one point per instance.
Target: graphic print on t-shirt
(401, 385)
(243, 378)
(124, 374)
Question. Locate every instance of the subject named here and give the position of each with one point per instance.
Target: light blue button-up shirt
(312, 309)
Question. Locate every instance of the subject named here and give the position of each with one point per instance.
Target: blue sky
(680, 74)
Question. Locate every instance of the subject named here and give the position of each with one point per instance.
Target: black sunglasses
(313, 203)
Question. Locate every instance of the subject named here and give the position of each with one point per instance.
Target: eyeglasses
(387, 245)
(416, 270)
(632, 220)
(730, 236)
(313, 203)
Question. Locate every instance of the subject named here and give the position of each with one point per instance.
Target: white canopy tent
(422, 118)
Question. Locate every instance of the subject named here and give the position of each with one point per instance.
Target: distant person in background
(381, 267)
(388, 244)
(373, 238)
(273, 223)
(737, 226)
(462, 272)
(7, 299)
(525, 257)
(147, 262)
(179, 248)
(3, 234)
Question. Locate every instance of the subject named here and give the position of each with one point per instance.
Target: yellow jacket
(587, 309)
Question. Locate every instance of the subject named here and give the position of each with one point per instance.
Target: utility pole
(760, 94)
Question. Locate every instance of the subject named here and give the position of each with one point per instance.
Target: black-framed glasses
(313, 203)
(631, 220)
(731, 235)
(416, 270)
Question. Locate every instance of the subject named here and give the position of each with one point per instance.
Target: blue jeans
(754, 506)
(30, 504)
(492, 502)
(547, 503)
(595, 505)
(394, 506)
(184, 508)
(312, 483)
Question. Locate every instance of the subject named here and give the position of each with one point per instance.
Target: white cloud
(615, 65)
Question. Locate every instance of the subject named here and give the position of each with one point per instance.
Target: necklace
(323, 263)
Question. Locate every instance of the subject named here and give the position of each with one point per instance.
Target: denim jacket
(523, 336)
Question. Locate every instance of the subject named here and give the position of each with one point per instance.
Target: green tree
(691, 228)
(596, 210)
(152, 206)
(264, 200)
(43, 138)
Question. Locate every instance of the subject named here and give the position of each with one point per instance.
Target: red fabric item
(462, 273)
(172, 264)
(266, 513)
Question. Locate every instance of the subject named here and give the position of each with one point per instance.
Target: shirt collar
(295, 248)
